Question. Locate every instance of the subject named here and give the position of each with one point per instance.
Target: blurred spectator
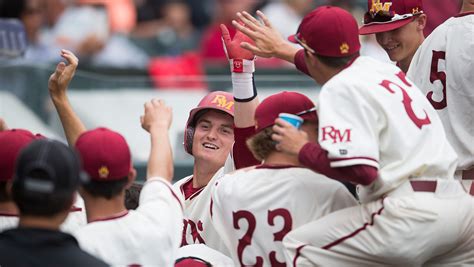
(31, 13)
(211, 43)
(286, 15)
(94, 29)
(172, 35)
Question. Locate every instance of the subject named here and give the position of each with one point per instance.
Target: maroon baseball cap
(11, 143)
(105, 154)
(328, 31)
(387, 15)
(285, 102)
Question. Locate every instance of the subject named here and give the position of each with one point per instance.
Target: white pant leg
(407, 230)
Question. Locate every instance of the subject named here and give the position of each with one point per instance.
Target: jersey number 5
(437, 75)
(246, 240)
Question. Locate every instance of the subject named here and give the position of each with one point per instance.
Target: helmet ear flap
(188, 139)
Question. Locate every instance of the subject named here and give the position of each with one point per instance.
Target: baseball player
(254, 208)
(11, 143)
(209, 137)
(376, 129)
(118, 236)
(398, 27)
(442, 68)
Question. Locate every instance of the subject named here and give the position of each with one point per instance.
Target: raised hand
(62, 76)
(157, 115)
(240, 59)
(268, 42)
(290, 140)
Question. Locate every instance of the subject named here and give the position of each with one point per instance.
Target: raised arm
(157, 121)
(242, 68)
(57, 85)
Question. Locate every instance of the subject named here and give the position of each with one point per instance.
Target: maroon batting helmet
(217, 100)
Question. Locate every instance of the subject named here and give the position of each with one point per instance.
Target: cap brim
(376, 27)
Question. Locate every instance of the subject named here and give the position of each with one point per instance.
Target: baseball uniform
(252, 209)
(198, 228)
(371, 114)
(443, 68)
(149, 235)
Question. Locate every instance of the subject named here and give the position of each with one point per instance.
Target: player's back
(382, 120)
(253, 209)
(149, 235)
(443, 69)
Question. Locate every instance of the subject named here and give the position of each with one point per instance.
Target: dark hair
(132, 196)
(261, 144)
(40, 204)
(106, 189)
(336, 62)
(4, 195)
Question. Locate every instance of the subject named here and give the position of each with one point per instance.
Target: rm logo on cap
(104, 172)
(377, 6)
(222, 102)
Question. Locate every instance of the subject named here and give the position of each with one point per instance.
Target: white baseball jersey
(203, 252)
(254, 208)
(443, 69)
(371, 114)
(198, 228)
(149, 235)
(76, 218)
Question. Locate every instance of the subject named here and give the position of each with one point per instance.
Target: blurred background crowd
(131, 50)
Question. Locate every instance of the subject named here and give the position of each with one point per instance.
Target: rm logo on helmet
(222, 102)
(378, 7)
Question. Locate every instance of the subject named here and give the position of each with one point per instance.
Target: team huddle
(264, 192)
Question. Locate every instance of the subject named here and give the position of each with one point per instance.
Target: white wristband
(243, 88)
(242, 66)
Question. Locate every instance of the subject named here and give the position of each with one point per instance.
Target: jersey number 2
(437, 75)
(246, 240)
(419, 122)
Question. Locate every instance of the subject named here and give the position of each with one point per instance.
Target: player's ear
(132, 174)
(421, 22)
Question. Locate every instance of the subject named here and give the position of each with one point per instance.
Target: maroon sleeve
(300, 63)
(241, 153)
(313, 156)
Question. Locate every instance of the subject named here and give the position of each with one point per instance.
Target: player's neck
(278, 158)
(202, 174)
(50, 222)
(8, 207)
(98, 208)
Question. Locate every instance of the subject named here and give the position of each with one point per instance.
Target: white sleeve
(348, 124)
(160, 202)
